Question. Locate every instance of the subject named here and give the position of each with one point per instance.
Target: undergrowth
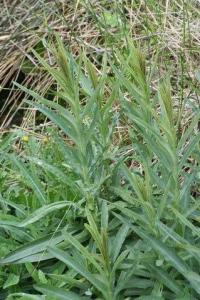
(99, 150)
(105, 203)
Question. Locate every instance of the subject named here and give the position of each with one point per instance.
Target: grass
(100, 183)
(167, 31)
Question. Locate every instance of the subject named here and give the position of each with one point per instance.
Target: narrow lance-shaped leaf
(165, 278)
(83, 250)
(43, 211)
(34, 247)
(72, 263)
(119, 240)
(31, 180)
(172, 257)
(58, 293)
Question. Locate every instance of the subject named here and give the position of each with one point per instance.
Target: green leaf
(12, 204)
(59, 120)
(131, 214)
(75, 265)
(171, 257)
(183, 220)
(189, 132)
(183, 243)
(119, 240)
(24, 296)
(66, 114)
(36, 247)
(12, 279)
(92, 228)
(83, 250)
(57, 172)
(161, 248)
(5, 143)
(151, 297)
(31, 180)
(104, 215)
(164, 96)
(91, 72)
(162, 276)
(42, 277)
(43, 211)
(194, 140)
(58, 293)
(110, 18)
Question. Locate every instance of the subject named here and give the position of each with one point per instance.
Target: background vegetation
(99, 150)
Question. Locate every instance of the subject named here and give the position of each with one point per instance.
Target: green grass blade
(119, 240)
(75, 265)
(34, 247)
(43, 211)
(165, 278)
(31, 180)
(76, 244)
(171, 256)
(58, 293)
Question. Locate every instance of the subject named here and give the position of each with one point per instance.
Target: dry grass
(168, 32)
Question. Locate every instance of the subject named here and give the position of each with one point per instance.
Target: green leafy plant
(96, 215)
